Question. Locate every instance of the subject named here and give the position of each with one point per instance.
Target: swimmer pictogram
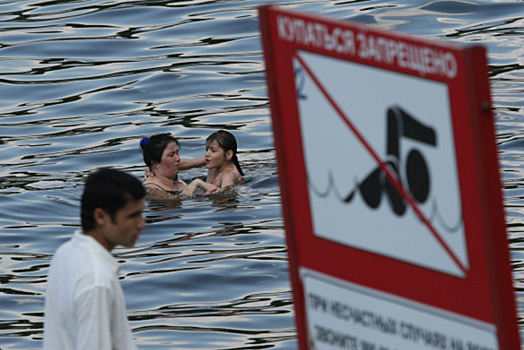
(400, 125)
(401, 178)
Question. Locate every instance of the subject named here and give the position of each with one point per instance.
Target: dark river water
(82, 81)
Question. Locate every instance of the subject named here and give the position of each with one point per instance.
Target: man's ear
(229, 154)
(101, 216)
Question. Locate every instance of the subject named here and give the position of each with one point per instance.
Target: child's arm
(197, 183)
(192, 163)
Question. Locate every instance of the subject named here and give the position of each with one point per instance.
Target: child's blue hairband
(144, 141)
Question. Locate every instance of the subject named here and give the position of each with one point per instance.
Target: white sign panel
(354, 118)
(342, 315)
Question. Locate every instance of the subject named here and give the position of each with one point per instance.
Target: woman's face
(169, 165)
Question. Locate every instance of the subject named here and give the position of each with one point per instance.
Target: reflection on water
(83, 81)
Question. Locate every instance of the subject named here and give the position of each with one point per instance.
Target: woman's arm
(192, 163)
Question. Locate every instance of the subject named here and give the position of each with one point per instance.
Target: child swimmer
(222, 163)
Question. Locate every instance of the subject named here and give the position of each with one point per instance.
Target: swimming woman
(222, 163)
(161, 155)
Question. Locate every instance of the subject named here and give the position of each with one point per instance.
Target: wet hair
(110, 190)
(153, 147)
(227, 142)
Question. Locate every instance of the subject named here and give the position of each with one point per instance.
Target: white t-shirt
(85, 306)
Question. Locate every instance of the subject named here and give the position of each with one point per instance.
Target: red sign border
(487, 293)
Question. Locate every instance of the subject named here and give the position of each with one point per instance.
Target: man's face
(127, 225)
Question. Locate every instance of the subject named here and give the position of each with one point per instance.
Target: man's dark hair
(110, 190)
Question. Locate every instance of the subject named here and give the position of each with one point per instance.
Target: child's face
(215, 155)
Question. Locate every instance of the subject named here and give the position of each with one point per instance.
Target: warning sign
(405, 126)
(390, 188)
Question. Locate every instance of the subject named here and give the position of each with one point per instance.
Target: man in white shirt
(85, 306)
